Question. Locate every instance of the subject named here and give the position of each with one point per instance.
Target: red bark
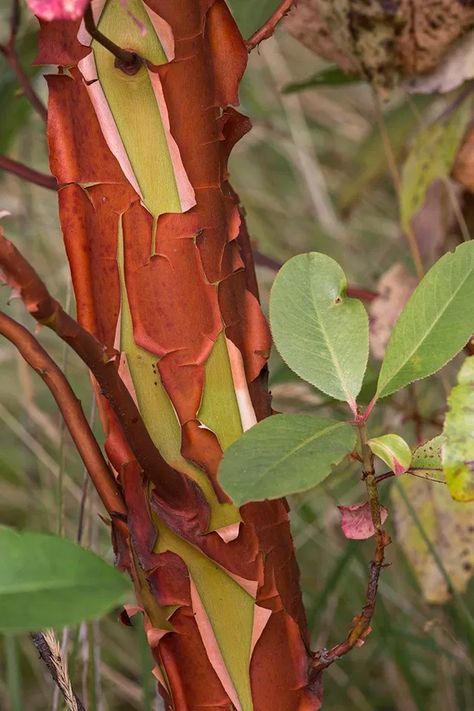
(199, 277)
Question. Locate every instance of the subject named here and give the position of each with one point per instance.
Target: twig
(50, 653)
(29, 174)
(9, 52)
(268, 28)
(128, 62)
(360, 627)
(171, 486)
(70, 407)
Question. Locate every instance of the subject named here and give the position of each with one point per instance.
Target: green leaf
(283, 455)
(458, 448)
(427, 457)
(436, 323)
(250, 15)
(431, 157)
(393, 450)
(47, 581)
(321, 333)
(331, 76)
(369, 162)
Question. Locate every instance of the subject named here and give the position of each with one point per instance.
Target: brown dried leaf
(307, 24)
(384, 39)
(394, 288)
(463, 170)
(456, 67)
(450, 529)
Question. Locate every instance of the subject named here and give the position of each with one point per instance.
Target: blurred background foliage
(312, 175)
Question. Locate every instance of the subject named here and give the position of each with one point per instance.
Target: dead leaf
(383, 39)
(394, 288)
(463, 170)
(356, 520)
(456, 67)
(447, 524)
(306, 24)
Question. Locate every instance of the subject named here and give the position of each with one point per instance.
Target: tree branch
(29, 174)
(268, 28)
(171, 486)
(76, 422)
(9, 52)
(360, 627)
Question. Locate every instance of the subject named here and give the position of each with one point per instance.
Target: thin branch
(29, 174)
(9, 52)
(171, 486)
(268, 28)
(50, 654)
(360, 627)
(128, 62)
(71, 410)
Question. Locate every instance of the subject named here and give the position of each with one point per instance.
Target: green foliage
(321, 334)
(250, 14)
(435, 324)
(47, 581)
(393, 450)
(283, 455)
(431, 157)
(15, 106)
(369, 164)
(427, 457)
(458, 448)
(331, 76)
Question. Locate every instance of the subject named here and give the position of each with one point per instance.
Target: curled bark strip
(102, 477)
(29, 174)
(268, 28)
(20, 275)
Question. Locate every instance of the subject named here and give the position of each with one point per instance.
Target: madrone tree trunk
(162, 272)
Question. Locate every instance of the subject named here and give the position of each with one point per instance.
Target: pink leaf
(356, 520)
(58, 9)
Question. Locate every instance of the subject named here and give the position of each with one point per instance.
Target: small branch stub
(127, 61)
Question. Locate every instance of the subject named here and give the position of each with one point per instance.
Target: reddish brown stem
(20, 275)
(268, 28)
(360, 627)
(9, 52)
(29, 174)
(70, 407)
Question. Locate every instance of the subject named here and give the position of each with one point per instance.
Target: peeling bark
(162, 270)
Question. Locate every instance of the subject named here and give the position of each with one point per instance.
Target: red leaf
(58, 9)
(356, 520)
